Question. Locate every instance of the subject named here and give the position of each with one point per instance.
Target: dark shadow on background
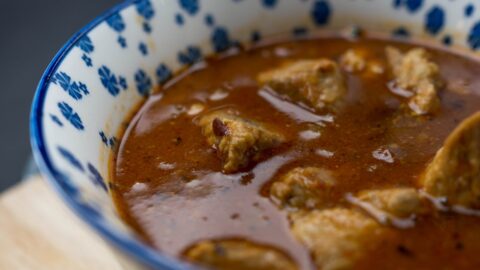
(31, 32)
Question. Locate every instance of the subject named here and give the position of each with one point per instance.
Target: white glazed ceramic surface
(111, 65)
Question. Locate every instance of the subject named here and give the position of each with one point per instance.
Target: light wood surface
(37, 231)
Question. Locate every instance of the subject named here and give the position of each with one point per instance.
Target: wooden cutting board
(37, 231)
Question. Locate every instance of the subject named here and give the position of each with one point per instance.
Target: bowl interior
(110, 66)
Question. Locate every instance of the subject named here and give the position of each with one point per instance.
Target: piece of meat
(238, 254)
(359, 61)
(337, 237)
(353, 60)
(308, 187)
(415, 72)
(454, 173)
(400, 202)
(316, 83)
(412, 68)
(425, 100)
(238, 141)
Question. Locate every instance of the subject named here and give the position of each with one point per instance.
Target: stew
(332, 152)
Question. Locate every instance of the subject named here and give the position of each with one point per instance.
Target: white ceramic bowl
(111, 65)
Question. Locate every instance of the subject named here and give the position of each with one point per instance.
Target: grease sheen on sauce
(169, 186)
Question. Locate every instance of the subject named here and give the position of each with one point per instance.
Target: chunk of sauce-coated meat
(169, 182)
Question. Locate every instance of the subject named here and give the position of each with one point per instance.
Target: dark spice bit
(247, 178)
(147, 158)
(219, 128)
(112, 186)
(219, 250)
(177, 140)
(456, 104)
(404, 251)
(459, 246)
(147, 180)
(235, 216)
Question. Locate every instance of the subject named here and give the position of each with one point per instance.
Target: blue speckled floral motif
(299, 31)
(85, 44)
(145, 9)
(400, 32)
(62, 79)
(191, 55)
(87, 60)
(116, 22)
(447, 40)
(70, 115)
(75, 89)
(66, 185)
(469, 9)
(70, 157)
(110, 142)
(96, 177)
(147, 28)
(94, 174)
(122, 82)
(190, 6)
(142, 47)
(163, 74)
(179, 19)
(122, 41)
(56, 120)
(90, 210)
(209, 20)
(321, 12)
(434, 20)
(474, 36)
(221, 39)
(269, 3)
(103, 137)
(410, 5)
(144, 83)
(110, 81)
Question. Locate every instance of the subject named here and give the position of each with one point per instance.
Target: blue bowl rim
(140, 251)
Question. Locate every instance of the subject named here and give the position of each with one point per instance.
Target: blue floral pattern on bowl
(113, 64)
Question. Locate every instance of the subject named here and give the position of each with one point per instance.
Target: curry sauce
(172, 184)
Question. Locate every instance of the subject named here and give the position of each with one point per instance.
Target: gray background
(31, 32)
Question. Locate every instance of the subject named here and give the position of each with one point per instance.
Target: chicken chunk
(454, 173)
(308, 187)
(412, 68)
(425, 100)
(238, 254)
(316, 82)
(353, 61)
(400, 202)
(238, 141)
(359, 61)
(337, 238)
(415, 72)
